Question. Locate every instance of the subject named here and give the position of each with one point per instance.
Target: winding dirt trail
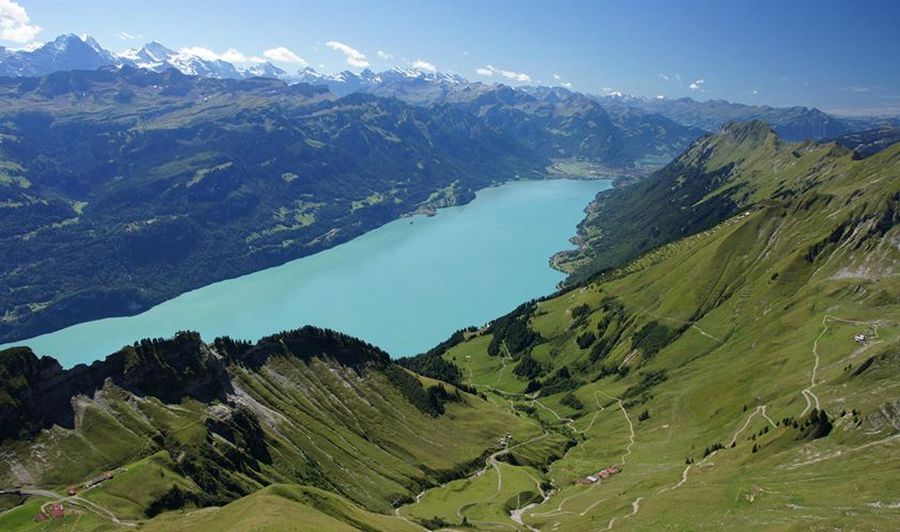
(631, 439)
(760, 411)
(807, 393)
(77, 500)
(635, 507)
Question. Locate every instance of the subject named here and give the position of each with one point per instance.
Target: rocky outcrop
(36, 392)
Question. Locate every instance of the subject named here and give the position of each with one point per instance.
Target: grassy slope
(283, 507)
(348, 430)
(751, 304)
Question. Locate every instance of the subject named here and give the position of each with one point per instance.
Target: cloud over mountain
(15, 24)
(354, 57)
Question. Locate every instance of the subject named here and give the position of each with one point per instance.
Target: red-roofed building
(57, 511)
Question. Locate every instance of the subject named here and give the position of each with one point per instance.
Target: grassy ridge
(711, 360)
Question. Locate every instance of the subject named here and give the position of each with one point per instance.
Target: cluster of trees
(571, 401)
(433, 364)
(430, 399)
(652, 337)
(649, 379)
(580, 315)
(561, 381)
(610, 328)
(712, 448)
(585, 339)
(528, 367)
(816, 425)
(513, 331)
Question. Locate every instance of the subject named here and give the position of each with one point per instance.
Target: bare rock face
(37, 392)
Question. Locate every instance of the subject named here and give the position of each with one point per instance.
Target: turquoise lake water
(405, 286)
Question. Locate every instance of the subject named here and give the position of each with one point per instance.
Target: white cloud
(125, 36)
(420, 64)
(489, 70)
(518, 76)
(670, 77)
(660, 97)
(280, 54)
(562, 82)
(696, 84)
(384, 56)
(355, 58)
(230, 55)
(15, 24)
(609, 91)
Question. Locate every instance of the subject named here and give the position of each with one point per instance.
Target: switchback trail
(807, 393)
(631, 438)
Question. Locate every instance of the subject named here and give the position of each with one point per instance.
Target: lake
(405, 286)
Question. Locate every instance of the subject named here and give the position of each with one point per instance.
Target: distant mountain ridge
(791, 123)
(420, 87)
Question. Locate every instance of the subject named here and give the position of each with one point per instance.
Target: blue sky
(839, 56)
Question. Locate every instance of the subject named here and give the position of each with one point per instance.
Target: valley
(762, 387)
(175, 182)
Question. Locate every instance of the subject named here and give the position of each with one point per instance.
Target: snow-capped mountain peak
(73, 52)
(265, 70)
(151, 56)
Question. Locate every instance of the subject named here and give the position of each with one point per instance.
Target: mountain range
(791, 123)
(73, 52)
(419, 87)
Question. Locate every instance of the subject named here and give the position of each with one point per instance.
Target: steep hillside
(562, 124)
(184, 424)
(740, 376)
(717, 177)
